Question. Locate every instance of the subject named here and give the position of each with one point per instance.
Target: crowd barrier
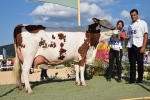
(2, 67)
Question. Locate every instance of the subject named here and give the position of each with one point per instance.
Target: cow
(36, 44)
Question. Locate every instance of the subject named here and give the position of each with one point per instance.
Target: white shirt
(136, 31)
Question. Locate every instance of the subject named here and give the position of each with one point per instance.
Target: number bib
(114, 42)
(132, 32)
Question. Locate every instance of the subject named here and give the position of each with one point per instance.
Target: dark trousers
(135, 56)
(114, 54)
(44, 73)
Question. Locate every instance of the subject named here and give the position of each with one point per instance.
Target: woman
(148, 58)
(115, 52)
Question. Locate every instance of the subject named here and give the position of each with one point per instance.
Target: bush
(99, 67)
(126, 67)
(89, 71)
(147, 69)
(67, 64)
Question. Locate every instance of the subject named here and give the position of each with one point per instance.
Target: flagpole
(79, 13)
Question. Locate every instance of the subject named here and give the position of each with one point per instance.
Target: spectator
(145, 59)
(148, 58)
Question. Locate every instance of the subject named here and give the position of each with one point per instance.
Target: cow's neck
(93, 39)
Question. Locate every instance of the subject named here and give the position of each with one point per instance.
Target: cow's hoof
(31, 92)
(84, 85)
(20, 87)
(77, 83)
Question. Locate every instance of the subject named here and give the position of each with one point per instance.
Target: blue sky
(17, 12)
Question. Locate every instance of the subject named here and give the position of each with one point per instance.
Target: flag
(4, 53)
(68, 3)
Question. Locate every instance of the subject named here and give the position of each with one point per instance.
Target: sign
(4, 53)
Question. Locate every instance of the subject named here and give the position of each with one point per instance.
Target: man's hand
(142, 50)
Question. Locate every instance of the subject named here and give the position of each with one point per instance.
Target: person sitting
(44, 68)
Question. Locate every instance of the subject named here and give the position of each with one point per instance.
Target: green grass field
(98, 89)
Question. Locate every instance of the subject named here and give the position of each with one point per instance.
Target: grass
(98, 89)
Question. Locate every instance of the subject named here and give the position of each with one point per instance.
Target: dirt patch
(6, 77)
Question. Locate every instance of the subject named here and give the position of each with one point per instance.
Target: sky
(14, 12)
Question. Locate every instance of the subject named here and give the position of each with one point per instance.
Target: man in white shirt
(138, 37)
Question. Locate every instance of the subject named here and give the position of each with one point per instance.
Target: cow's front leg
(26, 69)
(77, 75)
(83, 83)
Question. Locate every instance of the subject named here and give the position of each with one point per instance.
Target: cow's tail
(17, 66)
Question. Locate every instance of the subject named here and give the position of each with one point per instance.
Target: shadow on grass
(125, 78)
(5, 94)
(141, 85)
(112, 77)
(51, 80)
(36, 83)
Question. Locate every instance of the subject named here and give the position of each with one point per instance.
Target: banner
(4, 53)
(103, 51)
(68, 3)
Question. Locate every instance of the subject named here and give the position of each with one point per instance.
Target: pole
(78, 12)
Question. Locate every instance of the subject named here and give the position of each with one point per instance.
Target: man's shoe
(47, 78)
(42, 79)
(119, 81)
(109, 80)
(138, 81)
(131, 82)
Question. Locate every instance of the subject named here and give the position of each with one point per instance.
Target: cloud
(125, 14)
(103, 2)
(137, 5)
(58, 15)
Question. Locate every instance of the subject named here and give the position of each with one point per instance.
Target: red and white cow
(39, 44)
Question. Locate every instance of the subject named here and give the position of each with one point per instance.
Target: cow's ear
(96, 20)
(102, 18)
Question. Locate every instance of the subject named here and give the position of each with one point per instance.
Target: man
(138, 37)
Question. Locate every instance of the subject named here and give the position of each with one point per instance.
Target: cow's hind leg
(26, 69)
(77, 74)
(19, 83)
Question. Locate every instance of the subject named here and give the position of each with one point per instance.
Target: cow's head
(103, 26)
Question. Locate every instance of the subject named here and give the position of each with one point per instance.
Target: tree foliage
(9, 50)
